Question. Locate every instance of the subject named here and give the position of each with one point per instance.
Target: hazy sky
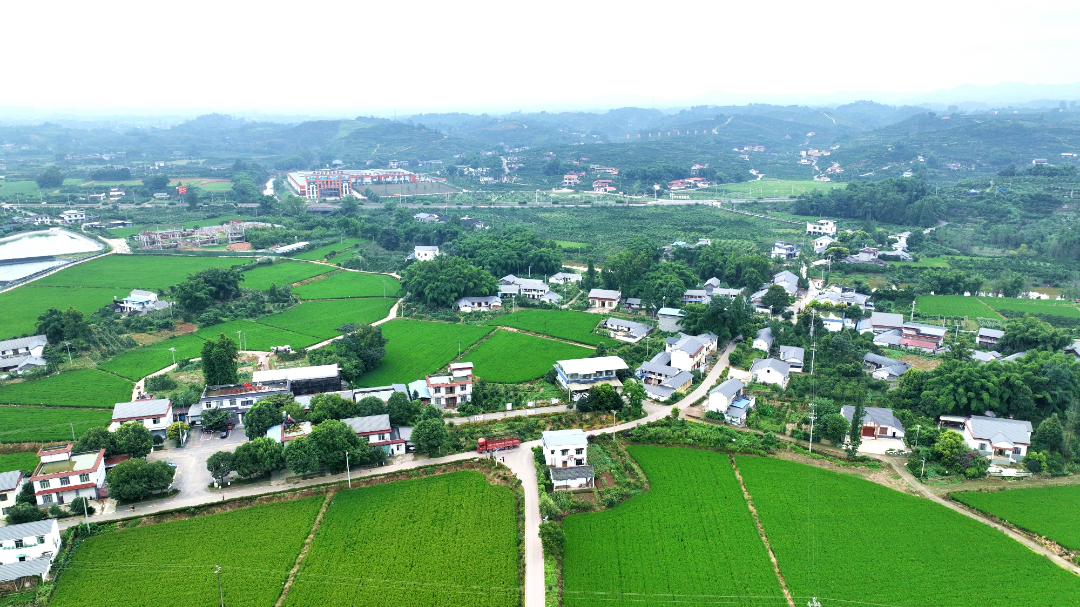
(378, 57)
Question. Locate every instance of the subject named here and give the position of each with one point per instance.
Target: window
(553, 452)
(3, 497)
(982, 446)
(1016, 451)
(41, 539)
(84, 478)
(46, 499)
(65, 481)
(565, 452)
(578, 451)
(157, 420)
(19, 544)
(44, 484)
(4, 511)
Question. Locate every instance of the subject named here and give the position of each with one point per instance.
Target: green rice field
(48, 424)
(23, 305)
(320, 253)
(137, 363)
(25, 461)
(81, 388)
(150, 272)
(509, 358)
(564, 324)
(376, 548)
(349, 284)
(954, 305)
(1052, 512)
(322, 318)
(281, 274)
(257, 336)
(690, 539)
(847, 539)
(417, 348)
(1034, 306)
(172, 564)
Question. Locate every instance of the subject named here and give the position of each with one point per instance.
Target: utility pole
(72, 430)
(173, 350)
(813, 416)
(67, 344)
(86, 515)
(348, 471)
(917, 427)
(913, 310)
(221, 596)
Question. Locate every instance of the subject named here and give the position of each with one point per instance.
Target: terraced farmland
(320, 253)
(349, 284)
(823, 525)
(137, 363)
(322, 318)
(377, 548)
(150, 272)
(282, 274)
(510, 358)
(47, 424)
(689, 539)
(954, 305)
(172, 564)
(1052, 512)
(81, 388)
(564, 324)
(257, 336)
(1034, 306)
(22, 306)
(417, 348)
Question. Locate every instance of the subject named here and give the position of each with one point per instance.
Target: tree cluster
(443, 280)
(356, 353)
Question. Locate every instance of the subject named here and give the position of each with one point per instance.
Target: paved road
(1036, 547)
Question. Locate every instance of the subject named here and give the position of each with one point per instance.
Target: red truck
(484, 445)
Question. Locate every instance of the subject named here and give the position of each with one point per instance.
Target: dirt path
(761, 532)
(307, 546)
(1023, 539)
(542, 336)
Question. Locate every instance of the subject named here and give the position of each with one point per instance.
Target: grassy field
(25, 461)
(47, 424)
(349, 284)
(281, 274)
(137, 363)
(82, 388)
(772, 188)
(8, 189)
(1034, 306)
(564, 324)
(376, 548)
(1052, 512)
(510, 358)
(954, 305)
(320, 253)
(172, 564)
(417, 348)
(849, 539)
(322, 318)
(568, 244)
(23, 305)
(150, 272)
(258, 336)
(689, 539)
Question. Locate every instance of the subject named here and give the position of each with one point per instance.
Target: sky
(362, 58)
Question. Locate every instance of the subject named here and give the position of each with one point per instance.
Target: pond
(20, 255)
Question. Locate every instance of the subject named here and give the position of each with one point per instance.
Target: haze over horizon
(381, 59)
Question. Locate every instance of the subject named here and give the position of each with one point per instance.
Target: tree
(260, 456)
(176, 429)
(1030, 333)
(601, 398)
(356, 353)
(635, 396)
(776, 298)
(333, 406)
(50, 178)
(26, 495)
(372, 405)
(262, 416)
(134, 439)
(220, 464)
(156, 183)
(214, 420)
(402, 410)
(219, 359)
(552, 538)
(429, 435)
(959, 347)
(590, 280)
(446, 278)
(855, 432)
(331, 439)
(837, 251)
(1049, 436)
(95, 439)
(949, 446)
(81, 506)
(548, 509)
(835, 427)
(301, 457)
(194, 295)
(24, 513)
(135, 479)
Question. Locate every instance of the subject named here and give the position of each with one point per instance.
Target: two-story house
(423, 253)
(140, 302)
(988, 338)
(822, 227)
(449, 389)
(73, 216)
(627, 330)
(236, 398)
(732, 400)
(376, 429)
(688, 352)
(10, 485)
(38, 541)
(531, 288)
(566, 453)
(155, 414)
(22, 354)
(660, 379)
(580, 374)
(63, 476)
(764, 340)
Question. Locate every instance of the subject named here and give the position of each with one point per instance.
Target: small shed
(574, 477)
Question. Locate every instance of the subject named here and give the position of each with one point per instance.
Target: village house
(822, 243)
(22, 353)
(27, 551)
(928, 338)
(10, 485)
(884, 368)
(688, 352)
(376, 429)
(822, 227)
(660, 379)
(604, 298)
(627, 330)
(155, 414)
(580, 374)
(988, 338)
(562, 278)
(993, 437)
(303, 380)
(878, 423)
(881, 322)
(670, 319)
(602, 186)
(711, 289)
(62, 476)
(423, 253)
(764, 340)
(784, 250)
(73, 216)
(865, 255)
(793, 356)
(140, 302)
(34, 219)
(532, 288)
(570, 179)
(451, 388)
(849, 297)
(985, 357)
(479, 304)
(770, 371)
(426, 218)
(236, 398)
(731, 399)
(565, 448)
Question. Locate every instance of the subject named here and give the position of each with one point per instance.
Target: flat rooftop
(77, 461)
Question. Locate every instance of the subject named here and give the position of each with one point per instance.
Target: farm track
(540, 335)
(761, 532)
(992, 311)
(307, 546)
(1019, 537)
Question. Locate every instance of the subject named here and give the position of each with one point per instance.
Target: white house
(580, 374)
(10, 485)
(793, 356)
(63, 476)
(604, 298)
(731, 399)
(563, 278)
(764, 340)
(449, 389)
(422, 253)
(824, 227)
(23, 346)
(660, 379)
(73, 216)
(997, 437)
(139, 301)
(478, 304)
(376, 429)
(627, 330)
(565, 448)
(531, 288)
(688, 352)
(987, 338)
(878, 423)
(770, 371)
(574, 477)
(29, 541)
(155, 414)
(880, 322)
(784, 250)
(822, 243)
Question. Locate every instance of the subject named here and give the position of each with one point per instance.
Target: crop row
(510, 358)
(80, 388)
(564, 324)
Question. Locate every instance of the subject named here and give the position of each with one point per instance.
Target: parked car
(224, 434)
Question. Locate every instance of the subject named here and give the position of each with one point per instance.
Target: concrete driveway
(192, 477)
